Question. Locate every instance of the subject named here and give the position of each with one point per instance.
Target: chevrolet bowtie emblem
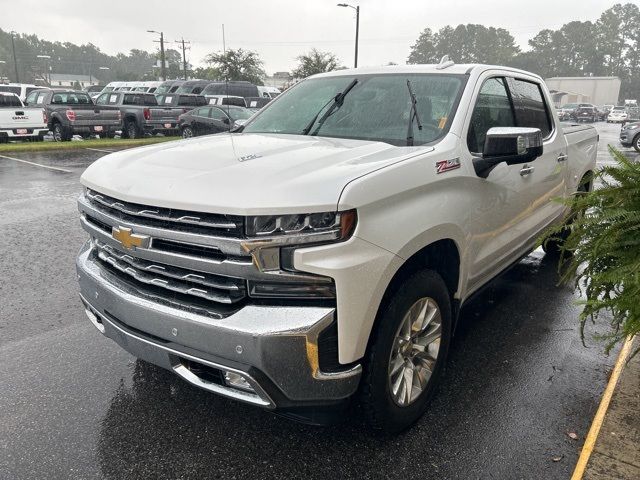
(128, 239)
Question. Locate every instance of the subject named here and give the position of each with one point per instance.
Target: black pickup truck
(141, 113)
(69, 113)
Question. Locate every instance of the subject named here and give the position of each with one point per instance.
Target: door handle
(526, 170)
(562, 157)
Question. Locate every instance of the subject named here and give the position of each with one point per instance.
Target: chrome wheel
(57, 133)
(187, 132)
(415, 351)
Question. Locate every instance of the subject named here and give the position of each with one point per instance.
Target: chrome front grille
(194, 260)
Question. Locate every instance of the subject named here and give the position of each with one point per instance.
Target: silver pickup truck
(323, 252)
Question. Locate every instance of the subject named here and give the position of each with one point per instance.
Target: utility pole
(15, 61)
(184, 55)
(163, 68)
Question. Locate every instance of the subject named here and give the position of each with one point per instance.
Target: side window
(493, 109)
(31, 98)
(102, 99)
(532, 110)
(202, 112)
(218, 114)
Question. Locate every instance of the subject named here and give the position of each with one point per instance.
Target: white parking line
(99, 150)
(58, 169)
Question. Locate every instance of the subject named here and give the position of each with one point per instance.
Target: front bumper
(275, 348)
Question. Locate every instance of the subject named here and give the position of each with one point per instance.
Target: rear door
(516, 198)
(546, 177)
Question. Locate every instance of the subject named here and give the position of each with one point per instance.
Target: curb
(598, 420)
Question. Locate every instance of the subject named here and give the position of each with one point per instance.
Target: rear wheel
(131, 129)
(407, 353)
(60, 133)
(636, 143)
(187, 132)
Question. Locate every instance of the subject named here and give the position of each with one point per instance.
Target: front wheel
(636, 143)
(407, 354)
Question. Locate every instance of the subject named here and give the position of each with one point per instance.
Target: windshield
(377, 108)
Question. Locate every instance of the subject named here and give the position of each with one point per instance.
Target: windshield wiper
(338, 100)
(413, 114)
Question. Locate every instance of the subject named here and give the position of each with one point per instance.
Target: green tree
(315, 62)
(469, 43)
(237, 65)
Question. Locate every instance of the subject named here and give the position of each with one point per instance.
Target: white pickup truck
(322, 252)
(20, 122)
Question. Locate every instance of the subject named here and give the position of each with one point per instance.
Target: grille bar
(232, 224)
(214, 281)
(168, 283)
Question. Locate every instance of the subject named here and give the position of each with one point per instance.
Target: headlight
(272, 241)
(339, 225)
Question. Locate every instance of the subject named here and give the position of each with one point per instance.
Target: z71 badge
(446, 165)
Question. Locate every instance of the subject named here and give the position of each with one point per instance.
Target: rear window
(139, 99)
(191, 101)
(71, 98)
(10, 101)
(10, 89)
(531, 108)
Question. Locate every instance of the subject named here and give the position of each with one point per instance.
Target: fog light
(235, 380)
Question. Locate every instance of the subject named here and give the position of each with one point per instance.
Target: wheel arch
(443, 256)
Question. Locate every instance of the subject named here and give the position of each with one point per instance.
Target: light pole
(357, 9)
(162, 65)
(47, 76)
(15, 62)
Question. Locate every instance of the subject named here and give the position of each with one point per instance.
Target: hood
(243, 174)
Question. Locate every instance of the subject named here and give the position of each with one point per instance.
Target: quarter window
(493, 109)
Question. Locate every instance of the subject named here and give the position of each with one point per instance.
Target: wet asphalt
(74, 405)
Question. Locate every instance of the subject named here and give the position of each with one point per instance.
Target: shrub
(601, 251)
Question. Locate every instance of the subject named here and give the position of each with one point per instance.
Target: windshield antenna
(413, 113)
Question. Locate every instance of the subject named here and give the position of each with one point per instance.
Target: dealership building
(597, 90)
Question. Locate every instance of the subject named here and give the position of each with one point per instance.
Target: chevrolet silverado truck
(20, 122)
(141, 113)
(70, 112)
(320, 254)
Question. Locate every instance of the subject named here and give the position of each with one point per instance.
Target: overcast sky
(279, 30)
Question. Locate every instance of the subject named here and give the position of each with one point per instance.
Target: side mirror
(225, 121)
(513, 145)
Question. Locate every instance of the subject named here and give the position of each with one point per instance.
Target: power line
(184, 55)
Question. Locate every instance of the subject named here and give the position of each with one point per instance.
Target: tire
(636, 143)
(553, 246)
(60, 134)
(187, 132)
(384, 410)
(131, 130)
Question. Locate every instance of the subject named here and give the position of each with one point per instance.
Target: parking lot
(75, 405)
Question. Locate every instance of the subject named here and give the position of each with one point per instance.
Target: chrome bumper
(275, 348)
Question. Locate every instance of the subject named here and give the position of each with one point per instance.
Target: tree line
(610, 46)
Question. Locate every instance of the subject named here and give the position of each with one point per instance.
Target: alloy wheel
(415, 351)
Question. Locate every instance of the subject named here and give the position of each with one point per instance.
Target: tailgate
(97, 115)
(21, 118)
(166, 114)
